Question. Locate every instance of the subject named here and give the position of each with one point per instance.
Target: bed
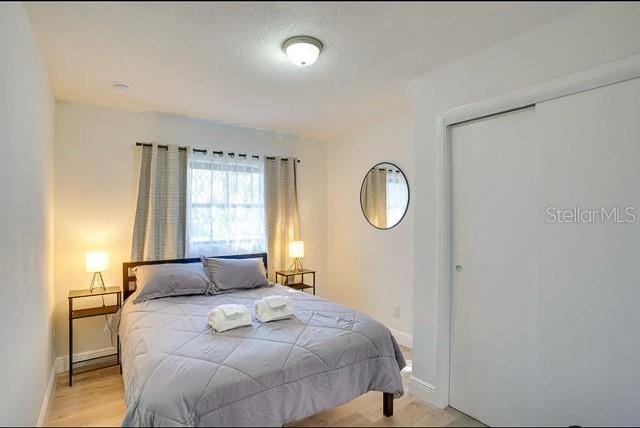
(179, 372)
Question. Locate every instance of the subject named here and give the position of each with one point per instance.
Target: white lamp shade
(97, 261)
(296, 249)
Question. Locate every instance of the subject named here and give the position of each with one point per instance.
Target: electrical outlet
(396, 311)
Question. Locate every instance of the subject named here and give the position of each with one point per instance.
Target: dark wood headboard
(129, 279)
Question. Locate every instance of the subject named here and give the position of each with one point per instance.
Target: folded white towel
(228, 317)
(274, 308)
(276, 302)
(233, 311)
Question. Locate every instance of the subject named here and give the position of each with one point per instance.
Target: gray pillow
(172, 279)
(231, 274)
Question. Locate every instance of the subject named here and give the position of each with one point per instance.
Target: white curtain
(225, 205)
(159, 228)
(282, 210)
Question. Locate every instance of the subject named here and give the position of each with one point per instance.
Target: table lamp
(97, 262)
(296, 251)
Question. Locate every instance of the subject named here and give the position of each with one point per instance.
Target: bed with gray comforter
(179, 372)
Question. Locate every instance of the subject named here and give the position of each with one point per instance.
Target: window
(225, 209)
(397, 197)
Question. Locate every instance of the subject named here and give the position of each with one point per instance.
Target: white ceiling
(223, 61)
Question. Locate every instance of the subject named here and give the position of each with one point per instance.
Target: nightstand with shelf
(300, 286)
(94, 311)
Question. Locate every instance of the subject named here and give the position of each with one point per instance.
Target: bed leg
(387, 404)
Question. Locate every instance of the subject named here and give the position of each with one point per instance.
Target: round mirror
(384, 195)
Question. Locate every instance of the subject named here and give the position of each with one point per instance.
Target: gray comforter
(179, 372)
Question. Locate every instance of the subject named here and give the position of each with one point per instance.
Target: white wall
(96, 189)
(370, 269)
(590, 36)
(26, 222)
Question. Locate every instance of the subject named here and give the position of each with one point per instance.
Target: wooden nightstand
(286, 274)
(92, 312)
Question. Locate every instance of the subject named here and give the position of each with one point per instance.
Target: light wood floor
(97, 399)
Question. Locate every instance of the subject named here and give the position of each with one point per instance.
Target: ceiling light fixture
(302, 50)
(121, 87)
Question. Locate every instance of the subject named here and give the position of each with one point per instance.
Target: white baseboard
(48, 398)
(402, 338)
(424, 391)
(62, 362)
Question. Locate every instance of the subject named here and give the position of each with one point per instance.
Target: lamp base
(296, 265)
(97, 282)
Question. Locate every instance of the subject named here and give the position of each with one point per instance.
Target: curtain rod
(397, 171)
(204, 151)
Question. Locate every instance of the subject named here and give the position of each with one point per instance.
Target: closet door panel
(545, 307)
(492, 343)
(588, 269)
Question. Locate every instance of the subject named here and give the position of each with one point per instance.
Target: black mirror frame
(406, 209)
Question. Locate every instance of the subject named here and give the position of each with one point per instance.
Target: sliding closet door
(589, 273)
(546, 306)
(493, 235)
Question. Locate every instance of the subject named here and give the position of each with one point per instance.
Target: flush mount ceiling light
(121, 87)
(302, 50)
